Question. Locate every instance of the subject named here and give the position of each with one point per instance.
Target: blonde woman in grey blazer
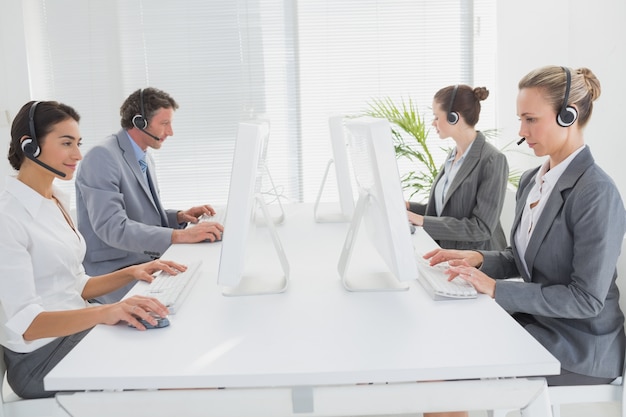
(568, 229)
(466, 199)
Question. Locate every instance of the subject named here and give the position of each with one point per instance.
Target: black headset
(453, 117)
(30, 146)
(139, 120)
(568, 114)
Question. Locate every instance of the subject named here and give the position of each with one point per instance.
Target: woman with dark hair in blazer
(466, 199)
(566, 238)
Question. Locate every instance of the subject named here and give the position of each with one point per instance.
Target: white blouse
(40, 262)
(545, 181)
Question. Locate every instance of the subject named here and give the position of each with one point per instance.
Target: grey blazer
(569, 302)
(470, 218)
(122, 223)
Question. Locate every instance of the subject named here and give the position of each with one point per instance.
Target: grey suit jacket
(470, 218)
(123, 224)
(569, 302)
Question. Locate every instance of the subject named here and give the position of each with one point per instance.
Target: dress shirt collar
(455, 150)
(139, 153)
(31, 199)
(551, 176)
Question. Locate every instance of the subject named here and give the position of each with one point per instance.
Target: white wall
(14, 87)
(574, 33)
(531, 33)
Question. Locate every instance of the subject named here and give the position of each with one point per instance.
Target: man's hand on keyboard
(145, 271)
(193, 214)
(200, 232)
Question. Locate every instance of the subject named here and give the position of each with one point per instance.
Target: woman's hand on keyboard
(483, 283)
(464, 264)
(471, 257)
(145, 271)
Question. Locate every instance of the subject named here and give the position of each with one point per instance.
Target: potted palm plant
(410, 134)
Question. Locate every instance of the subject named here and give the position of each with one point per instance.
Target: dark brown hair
(153, 100)
(466, 102)
(46, 115)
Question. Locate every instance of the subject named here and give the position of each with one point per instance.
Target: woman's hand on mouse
(132, 309)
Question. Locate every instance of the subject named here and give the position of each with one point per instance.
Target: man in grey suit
(119, 210)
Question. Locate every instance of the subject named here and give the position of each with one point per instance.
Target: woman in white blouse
(43, 286)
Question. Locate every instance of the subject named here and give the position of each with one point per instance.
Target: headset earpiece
(139, 120)
(453, 117)
(30, 148)
(568, 114)
(568, 117)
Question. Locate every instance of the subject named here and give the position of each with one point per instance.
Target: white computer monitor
(342, 175)
(238, 273)
(380, 207)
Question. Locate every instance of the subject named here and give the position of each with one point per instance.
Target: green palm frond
(410, 133)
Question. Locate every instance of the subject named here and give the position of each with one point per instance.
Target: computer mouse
(412, 228)
(161, 322)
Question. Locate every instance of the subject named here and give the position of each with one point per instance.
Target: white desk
(305, 350)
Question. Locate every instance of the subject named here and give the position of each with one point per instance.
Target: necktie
(144, 168)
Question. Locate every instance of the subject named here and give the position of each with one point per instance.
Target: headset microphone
(519, 142)
(30, 146)
(140, 121)
(46, 166)
(149, 134)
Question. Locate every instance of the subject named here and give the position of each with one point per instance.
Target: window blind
(291, 62)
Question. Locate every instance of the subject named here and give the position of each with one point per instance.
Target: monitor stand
(336, 217)
(374, 281)
(259, 283)
(261, 219)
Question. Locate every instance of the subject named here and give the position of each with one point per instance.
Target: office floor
(574, 410)
(570, 410)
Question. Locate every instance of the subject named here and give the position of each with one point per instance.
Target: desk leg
(302, 400)
(539, 406)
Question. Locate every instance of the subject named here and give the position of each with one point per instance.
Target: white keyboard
(435, 281)
(218, 217)
(172, 290)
